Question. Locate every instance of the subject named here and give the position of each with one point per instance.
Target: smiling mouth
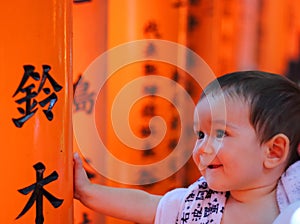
(213, 166)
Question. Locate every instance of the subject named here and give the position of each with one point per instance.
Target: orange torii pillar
(294, 43)
(35, 113)
(132, 21)
(89, 41)
(275, 37)
(212, 33)
(248, 35)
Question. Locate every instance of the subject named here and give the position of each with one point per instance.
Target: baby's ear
(277, 150)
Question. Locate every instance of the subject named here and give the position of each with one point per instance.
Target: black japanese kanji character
(190, 197)
(86, 219)
(175, 76)
(202, 185)
(173, 143)
(148, 152)
(151, 28)
(149, 69)
(147, 177)
(209, 193)
(151, 49)
(200, 195)
(39, 192)
(148, 110)
(185, 217)
(197, 213)
(212, 208)
(150, 90)
(174, 122)
(192, 23)
(178, 4)
(84, 101)
(30, 95)
(145, 131)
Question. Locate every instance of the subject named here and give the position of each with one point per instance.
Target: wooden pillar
(89, 41)
(35, 113)
(130, 21)
(275, 26)
(292, 69)
(213, 32)
(248, 51)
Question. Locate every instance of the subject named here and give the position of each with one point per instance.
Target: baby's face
(227, 151)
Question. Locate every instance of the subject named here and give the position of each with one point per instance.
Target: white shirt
(198, 204)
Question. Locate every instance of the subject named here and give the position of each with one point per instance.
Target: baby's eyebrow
(225, 123)
(218, 122)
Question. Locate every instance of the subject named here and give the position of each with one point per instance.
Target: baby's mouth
(214, 166)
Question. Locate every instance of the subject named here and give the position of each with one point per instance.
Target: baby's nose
(205, 151)
(203, 147)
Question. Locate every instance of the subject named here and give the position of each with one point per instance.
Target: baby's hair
(274, 103)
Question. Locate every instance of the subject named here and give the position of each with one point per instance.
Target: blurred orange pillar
(212, 33)
(35, 113)
(275, 36)
(89, 42)
(130, 21)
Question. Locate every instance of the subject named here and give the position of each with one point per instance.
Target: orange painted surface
(130, 21)
(213, 33)
(35, 44)
(276, 36)
(89, 42)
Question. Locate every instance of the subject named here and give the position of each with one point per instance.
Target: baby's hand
(81, 181)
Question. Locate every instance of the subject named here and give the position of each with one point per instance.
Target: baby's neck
(251, 206)
(248, 196)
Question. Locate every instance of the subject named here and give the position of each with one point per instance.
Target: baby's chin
(215, 185)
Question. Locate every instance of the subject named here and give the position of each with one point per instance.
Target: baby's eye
(200, 134)
(220, 133)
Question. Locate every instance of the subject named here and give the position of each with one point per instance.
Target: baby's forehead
(225, 98)
(220, 108)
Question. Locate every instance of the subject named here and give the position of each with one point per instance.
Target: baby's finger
(77, 159)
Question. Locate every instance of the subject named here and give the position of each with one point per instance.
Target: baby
(247, 150)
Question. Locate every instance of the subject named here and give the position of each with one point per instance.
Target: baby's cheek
(196, 155)
(196, 160)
